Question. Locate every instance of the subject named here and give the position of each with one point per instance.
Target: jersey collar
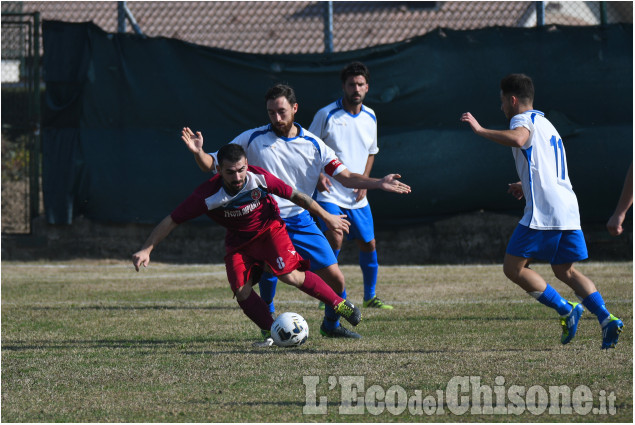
(287, 139)
(340, 104)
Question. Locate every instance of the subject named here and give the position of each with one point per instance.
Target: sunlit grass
(96, 341)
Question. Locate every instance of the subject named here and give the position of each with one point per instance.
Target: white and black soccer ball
(289, 330)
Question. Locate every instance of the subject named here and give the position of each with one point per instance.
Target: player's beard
(235, 186)
(354, 99)
(283, 128)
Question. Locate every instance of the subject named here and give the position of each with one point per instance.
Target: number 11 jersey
(541, 163)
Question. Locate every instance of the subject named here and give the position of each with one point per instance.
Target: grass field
(91, 341)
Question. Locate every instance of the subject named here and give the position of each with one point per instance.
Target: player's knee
(295, 278)
(511, 271)
(562, 276)
(564, 273)
(333, 277)
(340, 284)
(513, 267)
(367, 246)
(336, 239)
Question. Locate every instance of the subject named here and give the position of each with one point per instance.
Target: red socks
(257, 310)
(317, 288)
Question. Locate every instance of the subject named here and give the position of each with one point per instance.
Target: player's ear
(295, 108)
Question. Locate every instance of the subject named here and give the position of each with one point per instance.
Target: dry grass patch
(96, 341)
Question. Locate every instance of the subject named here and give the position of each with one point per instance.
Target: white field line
(125, 265)
(201, 304)
(228, 301)
(140, 275)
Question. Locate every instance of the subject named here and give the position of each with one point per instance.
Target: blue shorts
(310, 241)
(361, 219)
(554, 246)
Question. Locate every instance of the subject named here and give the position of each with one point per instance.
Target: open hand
(194, 142)
(390, 184)
(469, 118)
(337, 223)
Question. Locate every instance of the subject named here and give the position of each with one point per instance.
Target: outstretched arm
(194, 143)
(142, 257)
(515, 138)
(614, 224)
(357, 181)
(361, 193)
(333, 222)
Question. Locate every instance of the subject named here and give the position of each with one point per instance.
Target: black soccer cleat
(339, 332)
(349, 312)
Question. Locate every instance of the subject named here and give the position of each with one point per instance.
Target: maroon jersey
(246, 214)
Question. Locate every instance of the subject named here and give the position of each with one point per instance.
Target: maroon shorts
(272, 248)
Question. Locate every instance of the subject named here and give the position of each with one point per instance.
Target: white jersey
(298, 161)
(542, 168)
(353, 138)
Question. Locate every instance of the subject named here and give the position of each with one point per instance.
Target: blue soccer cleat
(570, 322)
(611, 332)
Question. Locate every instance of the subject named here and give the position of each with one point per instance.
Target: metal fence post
(121, 16)
(603, 19)
(328, 27)
(540, 13)
(36, 147)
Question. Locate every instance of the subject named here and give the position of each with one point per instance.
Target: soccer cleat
(349, 312)
(611, 332)
(375, 302)
(339, 332)
(570, 322)
(267, 341)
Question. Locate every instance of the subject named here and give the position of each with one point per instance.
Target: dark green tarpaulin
(116, 103)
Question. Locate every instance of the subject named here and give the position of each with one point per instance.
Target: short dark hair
(519, 85)
(354, 69)
(231, 153)
(280, 90)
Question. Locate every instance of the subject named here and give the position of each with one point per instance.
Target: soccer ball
(289, 330)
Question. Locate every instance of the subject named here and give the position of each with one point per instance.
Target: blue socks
(369, 265)
(332, 319)
(595, 304)
(551, 298)
(268, 290)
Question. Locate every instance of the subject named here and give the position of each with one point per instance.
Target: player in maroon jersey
(239, 199)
